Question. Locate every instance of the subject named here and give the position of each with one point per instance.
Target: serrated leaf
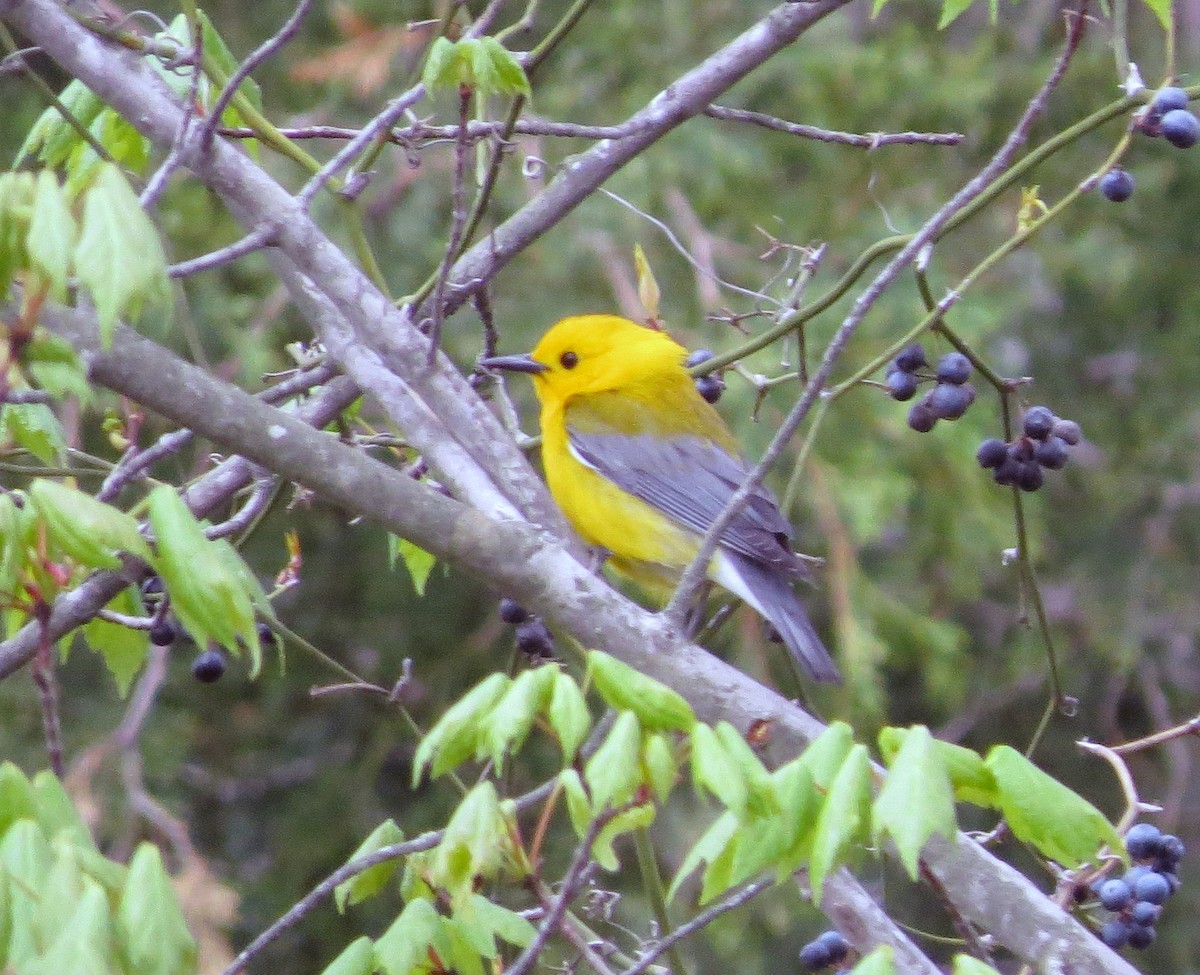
(453, 739)
(613, 773)
(660, 767)
(473, 844)
(1163, 10)
(1041, 811)
(52, 234)
(417, 561)
(824, 757)
(372, 880)
(714, 770)
(568, 715)
(916, 800)
(508, 77)
(124, 649)
(707, 849)
(845, 818)
(34, 427)
(405, 945)
(510, 721)
(119, 257)
(761, 799)
(16, 797)
(657, 706)
(357, 958)
(972, 780)
(881, 961)
(639, 817)
(151, 934)
(440, 69)
(52, 138)
(89, 531)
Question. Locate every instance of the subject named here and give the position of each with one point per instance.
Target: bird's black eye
(569, 360)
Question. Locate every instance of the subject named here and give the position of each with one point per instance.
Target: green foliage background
(277, 786)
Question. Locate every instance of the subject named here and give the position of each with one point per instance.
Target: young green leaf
(89, 531)
(55, 366)
(800, 802)
(639, 817)
(660, 768)
(510, 77)
(825, 755)
(52, 234)
(475, 843)
(34, 427)
(16, 797)
(844, 821)
(456, 947)
(761, 799)
(358, 958)
(482, 914)
(657, 707)
(454, 738)
(52, 138)
(81, 944)
(508, 724)
(568, 715)
(916, 801)
(613, 773)
(372, 880)
(441, 65)
(579, 806)
(881, 961)
(707, 850)
(1043, 812)
(967, 965)
(16, 205)
(972, 780)
(405, 945)
(151, 934)
(56, 813)
(715, 770)
(417, 561)
(124, 649)
(1163, 10)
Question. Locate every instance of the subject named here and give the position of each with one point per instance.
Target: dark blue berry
(954, 367)
(1170, 849)
(1153, 888)
(911, 358)
(901, 385)
(266, 635)
(1038, 422)
(836, 946)
(1068, 431)
(534, 639)
(921, 418)
(1143, 841)
(1180, 128)
(209, 666)
(814, 956)
(512, 612)
(697, 357)
(1117, 185)
(949, 401)
(1115, 933)
(1141, 938)
(1168, 100)
(1006, 473)
(1030, 477)
(1115, 894)
(163, 634)
(1051, 453)
(710, 387)
(991, 453)
(1144, 914)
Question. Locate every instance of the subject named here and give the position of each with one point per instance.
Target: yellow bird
(642, 466)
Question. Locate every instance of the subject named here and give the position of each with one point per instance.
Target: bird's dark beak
(513, 363)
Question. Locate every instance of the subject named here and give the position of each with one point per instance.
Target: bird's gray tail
(775, 599)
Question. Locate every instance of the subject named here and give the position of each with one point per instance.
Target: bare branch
(872, 140)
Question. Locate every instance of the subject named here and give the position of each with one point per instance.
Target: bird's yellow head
(595, 354)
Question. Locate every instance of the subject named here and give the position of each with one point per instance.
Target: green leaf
(405, 945)
(34, 427)
(916, 801)
(418, 562)
(951, 11)
(456, 949)
(124, 649)
(82, 945)
(657, 707)
(16, 205)
(613, 773)
(89, 531)
(208, 594)
(707, 850)
(16, 540)
(55, 366)
(660, 768)
(454, 738)
(214, 46)
(967, 965)
(25, 860)
(52, 139)
(59, 894)
(715, 770)
(579, 806)
(358, 958)
(509, 723)
(881, 961)
(52, 234)
(568, 715)
(372, 880)
(510, 77)
(474, 843)
(971, 778)
(16, 797)
(639, 817)
(441, 68)
(845, 818)
(500, 921)
(761, 799)
(801, 804)
(151, 934)
(56, 813)
(119, 256)
(1043, 812)
(824, 757)
(1163, 11)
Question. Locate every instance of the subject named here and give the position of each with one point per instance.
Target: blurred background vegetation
(277, 787)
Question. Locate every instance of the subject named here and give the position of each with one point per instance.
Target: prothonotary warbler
(642, 466)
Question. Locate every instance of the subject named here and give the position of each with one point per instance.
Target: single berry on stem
(1068, 431)
(1115, 933)
(1117, 185)
(162, 634)
(1038, 422)
(911, 358)
(1030, 477)
(1145, 914)
(1180, 128)
(954, 368)
(1168, 100)
(991, 453)
(948, 401)
(901, 385)
(836, 946)
(209, 666)
(1115, 894)
(1141, 938)
(921, 418)
(710, 387)
(512, 612)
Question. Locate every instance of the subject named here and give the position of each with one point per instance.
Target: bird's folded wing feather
(691, 479)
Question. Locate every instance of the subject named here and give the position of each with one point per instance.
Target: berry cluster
(951, 393)
(1166, 115)
(1136, 899)
(1042, 445)
(533, 637)
(827, 949)
(710, 385)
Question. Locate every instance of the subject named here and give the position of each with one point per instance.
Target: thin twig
(257, 239)
(871, 140)
(260, 500)
(174, 158)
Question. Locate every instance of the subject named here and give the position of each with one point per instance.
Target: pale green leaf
(405, 945)
(845, 818)
(613, 773)
(917, 800)
(454, 738)
(34, 427)
(52, 234)
(372, 880)
(358, 958)
(657, 706)
(151, 934)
